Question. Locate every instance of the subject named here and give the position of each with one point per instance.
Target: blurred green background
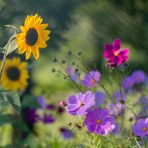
(78, 25)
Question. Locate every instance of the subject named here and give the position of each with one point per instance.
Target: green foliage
(10, 98)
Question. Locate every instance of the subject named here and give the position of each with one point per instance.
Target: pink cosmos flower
(114, 55)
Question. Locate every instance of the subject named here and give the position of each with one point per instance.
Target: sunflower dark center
(31, 37)
(13, 73)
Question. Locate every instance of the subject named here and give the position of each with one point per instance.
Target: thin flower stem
(3, 63)
(69, 76)
(132, 111)
(102, 86)
(82, 63)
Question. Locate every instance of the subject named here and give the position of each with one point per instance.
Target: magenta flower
(91, 79)
(141, 128)
(80, 103)
(63, 103)
(100, 122)
(138, 76)
(114, 55)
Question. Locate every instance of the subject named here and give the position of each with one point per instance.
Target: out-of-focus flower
(91, 79)
(143, 102)
(72, 73)
(47, 119)
(60, 110)
(100, 122)
(138, 76)
(15, 75)
(41, 102)
(118, 96)
(80, 103)
(99, 98)
(63, 104)
(146, 81)
(127, 83)
(116, 108)
(114, 55)
(31, 116)
(141, 128)
(33, 36)
(51, 107)
(66, 133)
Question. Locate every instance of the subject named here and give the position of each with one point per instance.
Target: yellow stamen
(92, 81)
(144, 129)
(81, 103)
(98, 121)
(116, 53)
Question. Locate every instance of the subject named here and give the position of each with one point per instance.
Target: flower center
(81, 103)
(116, 53)
(98, 121)
(13, 73)
(144, 129)
(92, 81)
(31, 37)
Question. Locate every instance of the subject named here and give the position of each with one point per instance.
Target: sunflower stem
(5, 54)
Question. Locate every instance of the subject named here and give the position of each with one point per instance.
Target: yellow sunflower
(33, 36)
(14, 75)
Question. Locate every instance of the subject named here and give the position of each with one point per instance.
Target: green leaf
(14, 99)
(29, 101)
(3, 105)
(4, 119)
(11, 47)
(11, 44)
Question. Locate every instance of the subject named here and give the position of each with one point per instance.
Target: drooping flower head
(15, 75)
(114, 55)
(72, 73)
(33, 36)
(80, 103)
(138, 76)
(99, 98)
(91, 79)
(127, 83)
(141, 128)
(100, 122)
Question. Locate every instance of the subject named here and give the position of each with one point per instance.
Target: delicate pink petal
(108, 51)
(117, 44)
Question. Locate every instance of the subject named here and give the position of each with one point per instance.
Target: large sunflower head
(14, 75)
(33, 36)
